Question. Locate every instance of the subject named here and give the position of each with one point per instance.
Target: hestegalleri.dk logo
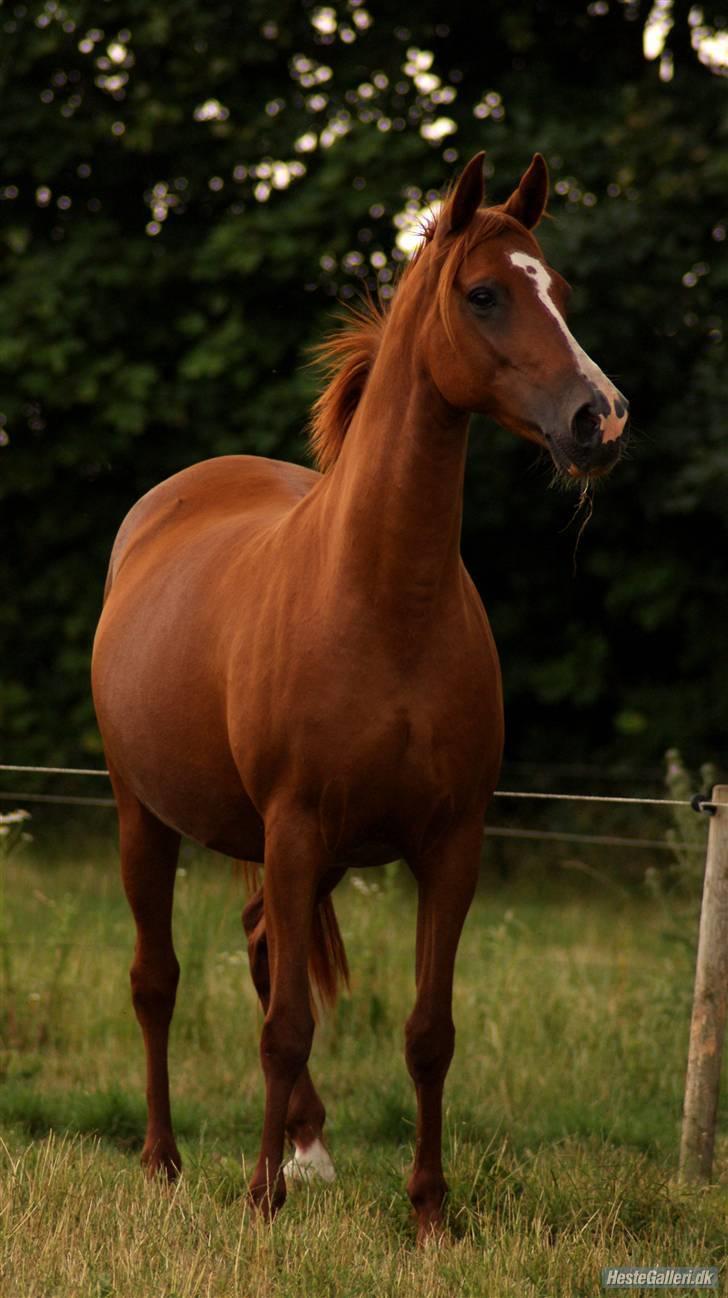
(660, 1277)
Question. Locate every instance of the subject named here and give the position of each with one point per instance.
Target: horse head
(494, 328)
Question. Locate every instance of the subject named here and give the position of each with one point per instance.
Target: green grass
(562, 1116)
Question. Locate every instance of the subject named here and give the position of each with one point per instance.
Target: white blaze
(612, 424)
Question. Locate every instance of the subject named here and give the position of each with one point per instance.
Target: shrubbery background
(185, 192)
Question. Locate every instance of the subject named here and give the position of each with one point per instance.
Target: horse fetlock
(427, 1192)
(303, 1128)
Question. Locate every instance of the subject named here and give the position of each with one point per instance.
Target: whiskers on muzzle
(582, 514)
(577, 460)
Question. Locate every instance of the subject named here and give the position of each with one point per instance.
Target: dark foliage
(164, 271)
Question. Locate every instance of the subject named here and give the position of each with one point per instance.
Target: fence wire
(499, 793)
(492, 831)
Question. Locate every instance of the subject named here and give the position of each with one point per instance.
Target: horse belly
(189, 782)
(159, 695)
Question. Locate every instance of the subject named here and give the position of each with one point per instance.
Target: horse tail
(328, 966)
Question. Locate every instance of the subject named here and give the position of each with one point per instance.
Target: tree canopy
(186, 192)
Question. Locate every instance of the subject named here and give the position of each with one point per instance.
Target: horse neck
(396, 490)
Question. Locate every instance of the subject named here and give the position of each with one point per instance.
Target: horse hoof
(431, 1230)
(309, 1163)
(266, 1203)
(164, 1163)
(266, 1207)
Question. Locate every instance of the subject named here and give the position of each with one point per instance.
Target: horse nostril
(586, 426)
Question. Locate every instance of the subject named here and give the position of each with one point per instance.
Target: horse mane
(346, 356)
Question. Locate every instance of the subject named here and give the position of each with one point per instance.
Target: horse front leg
(446, 879)
(292, 872)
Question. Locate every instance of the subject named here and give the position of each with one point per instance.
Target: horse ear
(527, 203)
(465, 199)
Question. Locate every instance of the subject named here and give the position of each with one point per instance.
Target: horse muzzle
(594, 438)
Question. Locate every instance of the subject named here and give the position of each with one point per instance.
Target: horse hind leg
(149, 852)
(306, 1113)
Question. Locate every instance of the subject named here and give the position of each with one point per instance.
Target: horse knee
(285, 1043)
(154, 988)
(429, 1047)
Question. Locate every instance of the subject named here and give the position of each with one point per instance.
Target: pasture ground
(562, 1106)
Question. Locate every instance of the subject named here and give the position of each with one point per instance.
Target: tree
(187, 192)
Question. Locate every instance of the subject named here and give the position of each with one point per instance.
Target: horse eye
(482, 299)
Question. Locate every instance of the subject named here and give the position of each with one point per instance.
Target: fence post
(710, 1004)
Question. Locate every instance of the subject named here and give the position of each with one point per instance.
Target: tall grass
(562, 1116)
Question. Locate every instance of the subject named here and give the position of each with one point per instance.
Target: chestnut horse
(294, 667)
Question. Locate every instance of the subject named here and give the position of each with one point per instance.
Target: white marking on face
(309, 1163)
(612, 425)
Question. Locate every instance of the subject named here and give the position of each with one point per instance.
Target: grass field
(562, 1106)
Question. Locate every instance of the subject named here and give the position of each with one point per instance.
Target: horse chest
(388, 757)
(401, 779)
(374, 724)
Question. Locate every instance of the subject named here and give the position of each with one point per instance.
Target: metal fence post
(710, 1004)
